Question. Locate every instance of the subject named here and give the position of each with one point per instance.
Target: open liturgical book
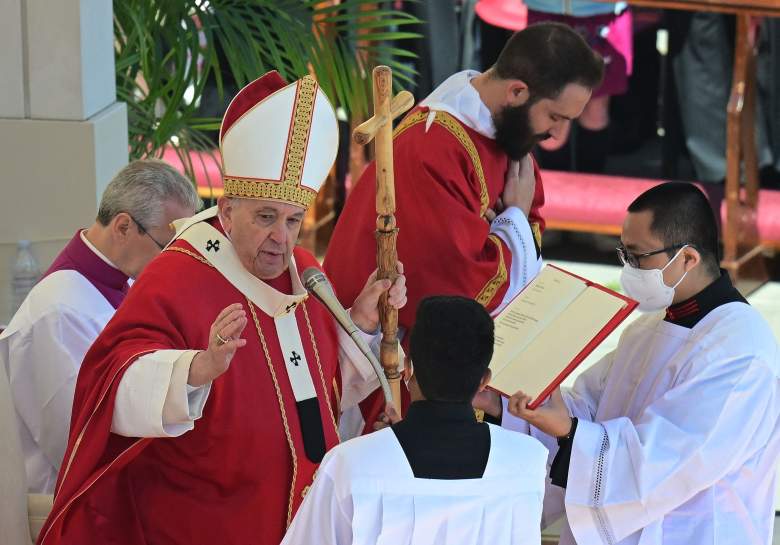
(549, 328)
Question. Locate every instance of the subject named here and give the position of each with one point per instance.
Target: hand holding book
(552, 418)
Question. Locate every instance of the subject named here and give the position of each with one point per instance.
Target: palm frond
(168, 51)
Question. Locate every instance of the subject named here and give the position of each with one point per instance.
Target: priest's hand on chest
(224, 340)
(365, 309)
(552, 417)
(519, 185)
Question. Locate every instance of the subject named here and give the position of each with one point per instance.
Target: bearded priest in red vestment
(204, 408)
(461, 157)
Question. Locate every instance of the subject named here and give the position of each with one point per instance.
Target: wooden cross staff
(380, 129)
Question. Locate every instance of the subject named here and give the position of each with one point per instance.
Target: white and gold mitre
(278, 141)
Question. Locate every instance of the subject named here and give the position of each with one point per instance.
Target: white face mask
(647, 286)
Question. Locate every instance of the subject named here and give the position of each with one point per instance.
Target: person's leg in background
(703, 68)
(593, 136)
(702, 72)
(768, 116)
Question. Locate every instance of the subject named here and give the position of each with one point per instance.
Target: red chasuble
(445, 179)
(241, 473)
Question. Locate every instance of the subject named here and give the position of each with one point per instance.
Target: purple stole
(77, 256)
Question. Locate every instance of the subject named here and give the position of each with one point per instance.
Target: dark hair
(682, 215)
(451, 347)
(548, 57)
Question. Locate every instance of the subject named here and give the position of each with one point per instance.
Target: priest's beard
(514, 134)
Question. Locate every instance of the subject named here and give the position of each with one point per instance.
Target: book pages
(531, 312)
(547, 332)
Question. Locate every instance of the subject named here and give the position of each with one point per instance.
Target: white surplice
(42, 350)
(678, 439)
(366, 493)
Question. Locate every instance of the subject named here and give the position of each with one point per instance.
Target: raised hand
(224, 340)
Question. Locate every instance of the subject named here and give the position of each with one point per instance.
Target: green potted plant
(172, 55)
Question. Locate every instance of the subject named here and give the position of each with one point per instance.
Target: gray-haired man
(44, 344)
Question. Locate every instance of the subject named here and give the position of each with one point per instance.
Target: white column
(11, 60)
(63, 135)
(70, 53)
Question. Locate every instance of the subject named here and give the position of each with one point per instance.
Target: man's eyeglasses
(632, 259)
(145, 231)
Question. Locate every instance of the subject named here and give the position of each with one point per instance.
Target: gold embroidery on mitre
(489, 290)
(456, 129)
(303, 112)
(277, 191)
(289, 188)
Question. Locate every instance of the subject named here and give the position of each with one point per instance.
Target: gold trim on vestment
(409, 121)
(189, 253)
(338, 401)
(282, 410)
(489, 291)
(308, 486)
(322, 375)
(451, 124)
(536, 230)
(289, 188)
(456, 129)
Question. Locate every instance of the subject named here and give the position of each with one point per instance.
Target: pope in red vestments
(454, 171)
(188, 429)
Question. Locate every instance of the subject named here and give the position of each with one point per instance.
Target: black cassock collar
(690, 312)
(443, 440)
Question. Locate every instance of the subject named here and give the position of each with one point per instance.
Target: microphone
(318, 285)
